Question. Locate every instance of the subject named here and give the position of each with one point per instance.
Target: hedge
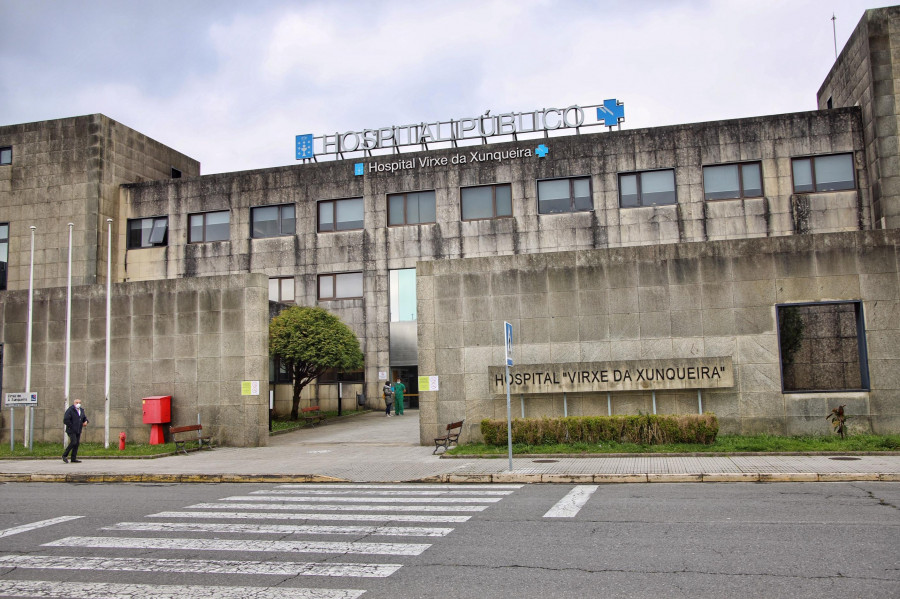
(644, 429)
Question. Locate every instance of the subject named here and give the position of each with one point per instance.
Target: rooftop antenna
(834, 31)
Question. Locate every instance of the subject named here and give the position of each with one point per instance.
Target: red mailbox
(157, 411)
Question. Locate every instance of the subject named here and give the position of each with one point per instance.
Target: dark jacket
(73, 422)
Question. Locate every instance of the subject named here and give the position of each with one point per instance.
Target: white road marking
(282, 529)
(26, 527)
(369, 500)
(298, 490)
(457, 487)
(108, 590)
(197, 566)
(310, 516)
(572, 503)
(243, 545)
(333, 508)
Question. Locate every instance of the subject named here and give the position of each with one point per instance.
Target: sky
(231, 83)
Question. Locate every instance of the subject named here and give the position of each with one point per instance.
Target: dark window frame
(204, 215)
(812, 172)
(405, 195)
(155, 220)
(333, 376)
(640, 196)
(571, 181)
(742, 194)
(279, 373)
(334, 276)
(280, 220)
(334, 220)
(7, 162)
(493, 187)
(862, 351)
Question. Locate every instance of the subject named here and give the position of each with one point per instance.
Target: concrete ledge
(788, 477)
(828, 477)
(567, 478)
(620, 478)
(732, 477)
(893, 477)
(674, 478)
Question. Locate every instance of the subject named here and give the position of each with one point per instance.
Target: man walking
(399, 389)
(74, 420)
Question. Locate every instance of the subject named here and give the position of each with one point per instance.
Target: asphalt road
(378, 541)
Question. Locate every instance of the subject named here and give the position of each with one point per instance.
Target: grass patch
(723, 444)
(85, 450)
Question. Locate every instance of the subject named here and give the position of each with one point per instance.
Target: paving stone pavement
(373, 448)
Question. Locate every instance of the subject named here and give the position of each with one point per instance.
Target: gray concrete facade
(666, 303)
(195, 339)
(865, 75)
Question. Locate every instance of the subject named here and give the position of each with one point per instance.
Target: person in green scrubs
(399, 389)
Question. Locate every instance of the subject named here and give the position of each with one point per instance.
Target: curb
(501, 477)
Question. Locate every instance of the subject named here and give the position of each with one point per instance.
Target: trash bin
(157, 411)
(360, 400)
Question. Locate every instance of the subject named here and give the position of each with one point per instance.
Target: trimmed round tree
(308, 341)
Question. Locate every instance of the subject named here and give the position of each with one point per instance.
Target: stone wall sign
(626, 375)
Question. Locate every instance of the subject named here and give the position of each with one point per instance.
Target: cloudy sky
(231, 83)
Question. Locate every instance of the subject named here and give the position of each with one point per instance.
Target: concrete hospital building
(746, 267)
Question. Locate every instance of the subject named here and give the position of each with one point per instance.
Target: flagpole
(68, 326)
(29, 413)
(108, 313)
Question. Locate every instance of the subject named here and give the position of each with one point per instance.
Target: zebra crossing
(387, 522)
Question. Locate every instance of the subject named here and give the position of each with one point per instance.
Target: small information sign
(15, 400)
(249, 387)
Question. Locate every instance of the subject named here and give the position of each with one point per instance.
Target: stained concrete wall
(69, 170)
(378, 248)
(865, 75)
(666, 302)
(195, 339)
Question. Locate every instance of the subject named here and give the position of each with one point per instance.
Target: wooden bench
(179, 436)
(449, 438)
(312, 415)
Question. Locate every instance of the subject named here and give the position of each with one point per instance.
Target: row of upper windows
(833, 172)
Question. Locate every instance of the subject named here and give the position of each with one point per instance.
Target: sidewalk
(372, 448)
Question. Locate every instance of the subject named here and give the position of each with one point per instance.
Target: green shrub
(643, 429)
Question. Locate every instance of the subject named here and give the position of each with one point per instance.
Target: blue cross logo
(305, 146)
(542, 150)
(611, 113)
(359, 168)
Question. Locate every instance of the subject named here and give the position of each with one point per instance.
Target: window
(148, 232)
(4, 253)
(208, 226)
(823, 173)
(556, 196)
(729, 181)
(176, 174)
(486, 201)
(272, 221)
(403, 294)
(335, 375)
(278, 371)
(341, 215)
(343, 285)
(6, 155)
(281, 289)
(648, 188)
(411, 208)
(823, 347)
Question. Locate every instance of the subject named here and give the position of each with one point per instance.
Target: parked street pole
(507, 336)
